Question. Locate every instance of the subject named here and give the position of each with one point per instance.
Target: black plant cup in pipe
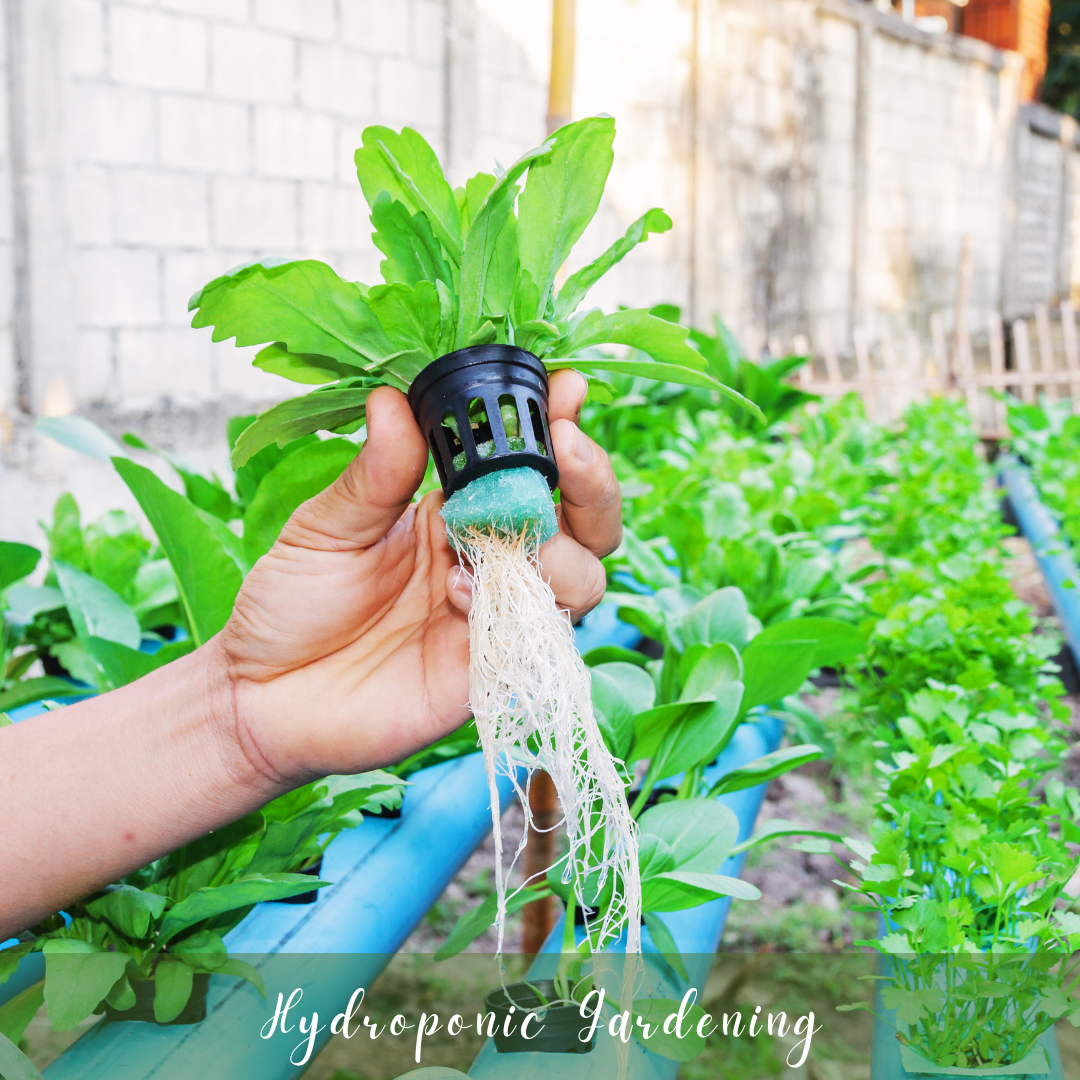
(143, 1009)
(482, 409)
(554, 1028)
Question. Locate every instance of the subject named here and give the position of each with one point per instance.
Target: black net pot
(143, 1009)
(482, 409)
(560, 1024)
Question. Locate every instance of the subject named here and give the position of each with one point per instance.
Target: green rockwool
(511, 501)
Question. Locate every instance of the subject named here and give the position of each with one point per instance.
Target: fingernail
(583, 448)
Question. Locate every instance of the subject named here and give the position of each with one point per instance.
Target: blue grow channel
(1052, 550)
(387, 875)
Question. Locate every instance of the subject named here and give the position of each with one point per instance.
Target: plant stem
(569, 950)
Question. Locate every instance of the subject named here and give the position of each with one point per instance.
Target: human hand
(348, 647)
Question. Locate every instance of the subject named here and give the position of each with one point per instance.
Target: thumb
(363, 504)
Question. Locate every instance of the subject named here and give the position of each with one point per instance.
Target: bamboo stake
(937, 340)
(913, 369)
(1072, 352)
(828, 348)
(1046, 345)
(1022, 347)
(997, 362)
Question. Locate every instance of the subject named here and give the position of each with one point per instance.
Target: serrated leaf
(561, 196)
(321, 410)
(207, 576)
(77, 978)
(579, 283)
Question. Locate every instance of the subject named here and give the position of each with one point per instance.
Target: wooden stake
(937, 340)
(997, 363)
(1072, 352)
(1046, 345)
(1022, 348)
(538, 917)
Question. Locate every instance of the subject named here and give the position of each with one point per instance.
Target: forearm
(95, 790)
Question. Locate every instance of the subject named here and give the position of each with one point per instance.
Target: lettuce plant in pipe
(680, 713)
(469, 321)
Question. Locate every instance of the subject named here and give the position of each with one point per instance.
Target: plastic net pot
(143, 1009)
(482, 409)
(554, 1030)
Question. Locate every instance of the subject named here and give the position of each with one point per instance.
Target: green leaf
(408, 242)
(172, 988)
(122, 995)
(243, 970)
(77, 978)
(16, 562)
(664, 942)
(14, 1064)
(42, 688)
(579, 283)
(292, 481)
(705, 668)
(614, 654)
(772, 670)
(781, 827)
(619, 692)
(130, 910)
(411, 316)
(837, 642)
(664, 341)
(405, 166)
(81, 435)
(480, 243)
(321, 410)
(11, 957)
(307, 368)
(208, 902)
(561, 196)
(120, 665)
(766, 768)
(473, 923)
(700, 832)
(206, 574)
(217, 858)
(697, 740)
(66, 537)
(912, 1005)
(202, 950)
(95, 610)
(16, 1014)
(651, 725)
(303, 305)
(722, 616)
(655, 1011)
(681, 889)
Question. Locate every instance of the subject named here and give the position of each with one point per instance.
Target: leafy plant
(461, 268)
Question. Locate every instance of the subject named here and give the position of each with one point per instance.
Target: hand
(348, 648)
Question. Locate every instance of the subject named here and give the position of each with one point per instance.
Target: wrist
(234, 736)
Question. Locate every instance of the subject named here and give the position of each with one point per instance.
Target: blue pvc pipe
(387, 875)
(697, 934)
(1051, 549)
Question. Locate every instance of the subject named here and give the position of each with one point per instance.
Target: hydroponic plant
(967, 872)
(139, 947)
(469, 320)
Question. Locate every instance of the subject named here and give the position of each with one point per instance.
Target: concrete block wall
(203, 135)
(822, 163)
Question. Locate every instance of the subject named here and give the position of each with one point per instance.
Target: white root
(530, 694)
